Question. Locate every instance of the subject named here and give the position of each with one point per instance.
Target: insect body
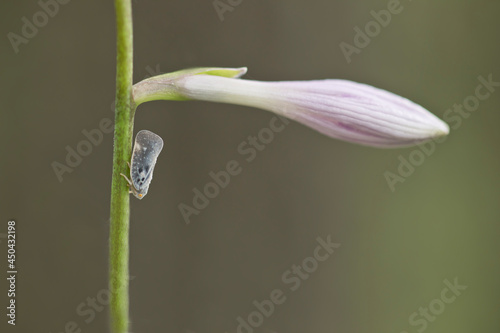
(146, 149)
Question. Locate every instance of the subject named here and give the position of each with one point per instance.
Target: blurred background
(420, 254)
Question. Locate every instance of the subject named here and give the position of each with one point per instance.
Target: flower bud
(341, 109)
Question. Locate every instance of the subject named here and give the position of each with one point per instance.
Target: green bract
(162, 87)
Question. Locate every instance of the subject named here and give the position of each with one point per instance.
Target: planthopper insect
(146, 149)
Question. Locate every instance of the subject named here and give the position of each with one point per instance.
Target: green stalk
(120, 204)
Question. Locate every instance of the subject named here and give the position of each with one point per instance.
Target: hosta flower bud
(341, 109)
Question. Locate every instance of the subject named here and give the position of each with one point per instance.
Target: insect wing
(147, 147)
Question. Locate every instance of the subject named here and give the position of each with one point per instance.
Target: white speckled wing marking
(147, 147)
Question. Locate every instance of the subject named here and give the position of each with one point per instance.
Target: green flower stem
(120, 204)
(163, 87)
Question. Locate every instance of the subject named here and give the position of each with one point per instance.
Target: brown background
(397, 248)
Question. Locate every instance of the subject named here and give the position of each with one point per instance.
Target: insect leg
(128, 181)
(126, 178)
